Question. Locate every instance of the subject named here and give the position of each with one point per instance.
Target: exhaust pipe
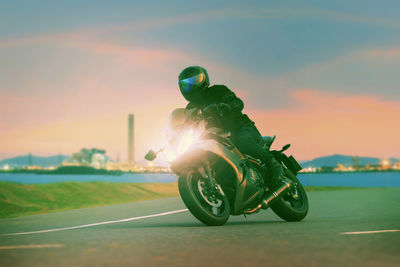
(266, 203)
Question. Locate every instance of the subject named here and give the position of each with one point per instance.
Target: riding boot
(274, 173)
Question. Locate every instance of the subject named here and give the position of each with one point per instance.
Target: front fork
(206, 171)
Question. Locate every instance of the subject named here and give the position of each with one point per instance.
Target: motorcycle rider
(195, 87)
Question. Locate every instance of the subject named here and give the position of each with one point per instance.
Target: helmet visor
(188, 84)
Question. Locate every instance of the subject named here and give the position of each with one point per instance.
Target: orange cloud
(316, 124)
(108, 132)
(95, 116)
(116, 79)
(62, 117)
(320, 123)
(90, 32)
(388, 54)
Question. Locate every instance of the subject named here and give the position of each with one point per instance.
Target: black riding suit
(244, 133)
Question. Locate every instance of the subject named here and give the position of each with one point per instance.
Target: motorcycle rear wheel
(208, 205)
(293, 205)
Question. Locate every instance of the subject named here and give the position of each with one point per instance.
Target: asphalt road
(180, 240)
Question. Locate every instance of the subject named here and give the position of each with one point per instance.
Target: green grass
(330, 188)
(25, 199)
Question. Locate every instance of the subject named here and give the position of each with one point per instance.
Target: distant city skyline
(322, 76)
(33, 160)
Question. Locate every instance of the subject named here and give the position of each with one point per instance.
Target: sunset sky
(321, 75)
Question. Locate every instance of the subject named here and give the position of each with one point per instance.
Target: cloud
(204, 16)
(320, 123)
(386, 54)
(322, 14)
(361, 71)
(316, 122)
(104, 78)
(122, 79)
(107, 132)
(93, 32)
(89, 108)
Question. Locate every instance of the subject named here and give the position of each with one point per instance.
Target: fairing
(247, 193)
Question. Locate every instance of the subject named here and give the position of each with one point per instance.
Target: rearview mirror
(285, 147)
(151, 155)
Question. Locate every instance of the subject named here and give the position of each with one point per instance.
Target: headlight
(169, 155)
(181, 145)
(186, 141)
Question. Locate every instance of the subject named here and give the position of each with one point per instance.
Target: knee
(244, 144)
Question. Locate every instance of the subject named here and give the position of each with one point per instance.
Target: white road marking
(99, 223)
(369, 232)
(33, 246)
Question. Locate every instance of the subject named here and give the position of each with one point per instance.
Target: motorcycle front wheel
(293, 205)
(207, 204)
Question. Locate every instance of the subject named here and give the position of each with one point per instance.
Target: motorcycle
(216, 180)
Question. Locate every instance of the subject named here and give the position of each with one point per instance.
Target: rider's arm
(232, 100)
(228, 97)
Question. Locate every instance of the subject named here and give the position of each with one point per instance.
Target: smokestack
(131, 156)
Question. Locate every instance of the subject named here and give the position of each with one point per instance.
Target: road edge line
(370, 232)
(96, 224)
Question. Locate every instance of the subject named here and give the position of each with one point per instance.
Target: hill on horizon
(330, 161)
(333, 160)
(24, 160)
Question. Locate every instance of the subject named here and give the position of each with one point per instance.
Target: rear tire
(293, 205)
(210, 208)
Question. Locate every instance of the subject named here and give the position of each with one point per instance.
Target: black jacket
(221, 94)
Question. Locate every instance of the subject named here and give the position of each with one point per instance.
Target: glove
(234, 102)
(192, 115)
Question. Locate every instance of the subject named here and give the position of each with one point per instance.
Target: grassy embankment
(25, 199)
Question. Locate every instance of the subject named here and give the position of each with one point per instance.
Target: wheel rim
(209, 198)
(213, 202)
(294, 196)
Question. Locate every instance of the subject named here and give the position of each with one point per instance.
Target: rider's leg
(248, 140)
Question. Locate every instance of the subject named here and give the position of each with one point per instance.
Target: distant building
(34, 168)
(131, 143)
(396, 165)
(342, 168)
(6, 167)
(87, 157)
(308, 169)
(385, 164)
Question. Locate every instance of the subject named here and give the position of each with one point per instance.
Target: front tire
(293, 205)
(208, 205)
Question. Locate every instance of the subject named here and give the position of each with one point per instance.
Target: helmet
(192, 81)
